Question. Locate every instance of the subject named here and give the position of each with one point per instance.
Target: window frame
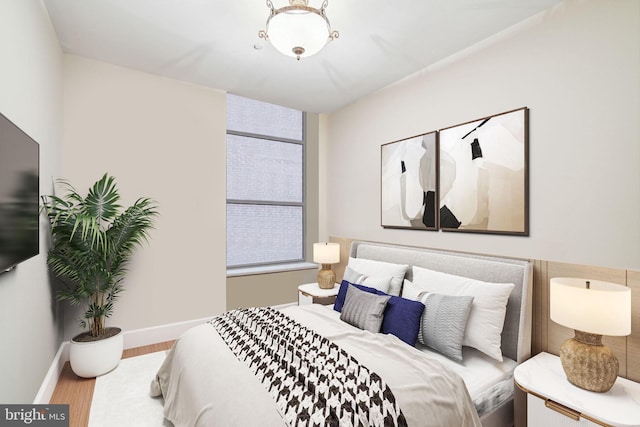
(303, 143)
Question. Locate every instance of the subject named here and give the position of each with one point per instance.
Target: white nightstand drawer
(553, 401)
(304, 299)
(311, 293)
(541, 413)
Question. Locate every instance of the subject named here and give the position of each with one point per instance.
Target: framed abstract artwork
(483, 175)
(409, 183)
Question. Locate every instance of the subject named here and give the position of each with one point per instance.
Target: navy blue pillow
(402, 318)
(342, 293)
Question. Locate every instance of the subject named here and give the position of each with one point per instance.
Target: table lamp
(593, 309)
(326, 254)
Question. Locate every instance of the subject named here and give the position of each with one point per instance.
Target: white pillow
(489, 307)
(357, 278)
(373, 268)
(411, 291)
(379, 283)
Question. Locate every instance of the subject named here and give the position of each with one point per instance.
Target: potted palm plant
(93, 240)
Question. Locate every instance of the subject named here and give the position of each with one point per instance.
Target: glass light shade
(326, 253)
(603, 309)
(297, 27)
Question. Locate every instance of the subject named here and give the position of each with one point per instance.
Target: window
(265, 183)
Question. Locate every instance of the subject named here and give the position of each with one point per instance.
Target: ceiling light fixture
(298, 30)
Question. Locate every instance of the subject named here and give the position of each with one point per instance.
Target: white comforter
(204, 384)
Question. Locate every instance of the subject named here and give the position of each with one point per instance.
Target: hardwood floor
(78, 392)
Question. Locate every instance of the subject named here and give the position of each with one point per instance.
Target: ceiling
(215, 43)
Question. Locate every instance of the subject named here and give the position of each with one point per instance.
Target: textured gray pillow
(356, 278)
(371, 268)
(352, 276)
(364, 310)
(443, 323)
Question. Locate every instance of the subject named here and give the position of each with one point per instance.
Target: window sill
(266, 269)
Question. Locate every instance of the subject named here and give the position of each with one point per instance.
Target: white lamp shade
(603, 309)
(326, 253)
(290, 30)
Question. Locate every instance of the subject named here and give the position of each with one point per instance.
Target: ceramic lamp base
(326, 277)
(587, 363)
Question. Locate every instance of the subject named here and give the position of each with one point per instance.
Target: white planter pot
(91, 359)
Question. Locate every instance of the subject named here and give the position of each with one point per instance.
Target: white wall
(162, 139)
(31, 97)
(576, 67)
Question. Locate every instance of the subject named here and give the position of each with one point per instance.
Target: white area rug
(121, 397)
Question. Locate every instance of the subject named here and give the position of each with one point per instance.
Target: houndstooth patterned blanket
(312, 381)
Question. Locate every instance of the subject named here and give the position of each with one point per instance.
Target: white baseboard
(157, 334)
(51, 379)
(281, 306)
(132, 339)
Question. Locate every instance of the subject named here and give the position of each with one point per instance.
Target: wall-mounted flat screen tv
(19, 195)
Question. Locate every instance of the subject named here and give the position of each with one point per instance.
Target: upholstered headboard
(516, 334)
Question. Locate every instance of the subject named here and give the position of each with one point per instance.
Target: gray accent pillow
(364, 310)
(352, 276)
(443, 323)
(357, 278)
(371, 268)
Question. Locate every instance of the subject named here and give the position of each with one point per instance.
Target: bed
(223, 372)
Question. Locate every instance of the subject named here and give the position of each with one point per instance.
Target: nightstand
(553, 401)
(311, 293)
